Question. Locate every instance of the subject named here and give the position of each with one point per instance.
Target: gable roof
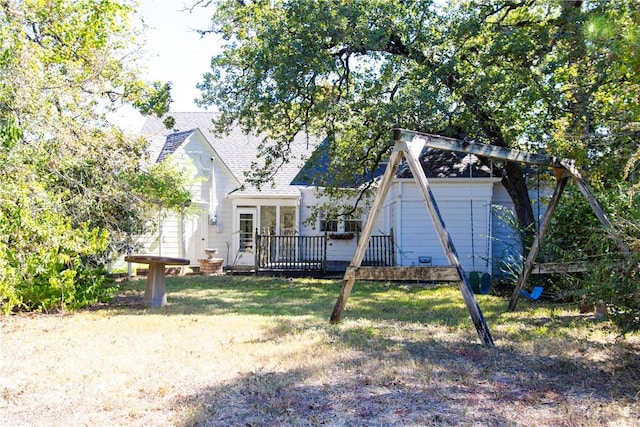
(435, 163)
(172, 143)
(236, 149)
(447, 164)
(315, 172)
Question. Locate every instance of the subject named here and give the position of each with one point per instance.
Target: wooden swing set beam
(485, 150)
(410, 144)
(565, 170)
(411, 151)
(562, 178)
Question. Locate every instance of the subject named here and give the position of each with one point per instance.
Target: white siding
(404, 211)
(415, 233)
(206, 172)
(220, 234)
(164, 242)
(337, 250)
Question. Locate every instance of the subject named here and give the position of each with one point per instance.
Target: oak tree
(518, 74)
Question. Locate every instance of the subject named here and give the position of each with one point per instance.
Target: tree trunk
(514, 179)
(515, 183)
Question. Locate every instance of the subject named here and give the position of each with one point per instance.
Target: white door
(245, 236)
(196, 236)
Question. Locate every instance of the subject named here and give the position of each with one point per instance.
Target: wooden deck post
(256, 252)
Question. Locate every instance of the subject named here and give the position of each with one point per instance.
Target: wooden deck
(310, 253)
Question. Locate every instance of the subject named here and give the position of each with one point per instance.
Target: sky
(174, 52)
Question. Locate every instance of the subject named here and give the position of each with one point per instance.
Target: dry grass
(260, 352)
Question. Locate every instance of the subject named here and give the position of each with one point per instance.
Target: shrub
(43, 259)
(616, 281)
(612, 277)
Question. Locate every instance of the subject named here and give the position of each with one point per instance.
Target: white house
(230, 214)
(465, 202)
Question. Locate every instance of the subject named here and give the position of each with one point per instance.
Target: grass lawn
(254, 351)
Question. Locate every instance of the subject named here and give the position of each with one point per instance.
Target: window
(352, 226)
(268, 220)
(329, 225)
(335, 226)
(288, 220)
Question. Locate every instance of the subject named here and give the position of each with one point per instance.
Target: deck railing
(291, 252)
(380, 252)
(309, 253)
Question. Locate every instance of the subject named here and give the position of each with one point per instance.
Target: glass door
(245, 241)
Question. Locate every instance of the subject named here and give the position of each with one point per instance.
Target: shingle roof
(315, 171)
(172, 143)
(236, 149)
(447, 164)
(435, 163)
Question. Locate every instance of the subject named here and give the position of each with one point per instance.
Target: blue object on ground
(480, 284)
(534, 295)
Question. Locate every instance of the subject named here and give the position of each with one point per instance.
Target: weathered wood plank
(559, 267)
(436, 274)
(412, 151)
(483, 150)
(367, 230)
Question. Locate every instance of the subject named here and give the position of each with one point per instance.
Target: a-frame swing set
(409, 144)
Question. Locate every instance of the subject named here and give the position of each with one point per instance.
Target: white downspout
(160, 230)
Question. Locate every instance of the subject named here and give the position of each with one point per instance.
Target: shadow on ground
(427, 382)
(376, 374)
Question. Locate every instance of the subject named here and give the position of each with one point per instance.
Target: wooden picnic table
(155, 293)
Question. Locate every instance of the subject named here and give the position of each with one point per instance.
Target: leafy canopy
(69, 199)
(501, 72)
(553, 75)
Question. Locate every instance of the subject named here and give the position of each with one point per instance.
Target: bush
(616, 281)
(43, 259)
(576, 235)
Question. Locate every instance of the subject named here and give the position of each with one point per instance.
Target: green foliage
(576, 235)
(67, 176)
(164, 183)
(10, 134)
(154, 99)
(615, 280)
(511, 74)
(42, 258)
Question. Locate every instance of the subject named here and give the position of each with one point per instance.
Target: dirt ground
(124, 365)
